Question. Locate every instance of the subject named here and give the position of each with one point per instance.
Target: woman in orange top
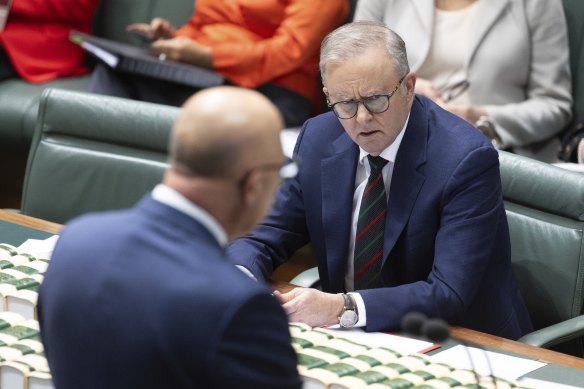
(269, 45)
(34, 44)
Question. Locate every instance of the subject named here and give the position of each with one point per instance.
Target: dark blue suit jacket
(446, 247)
(145, 298)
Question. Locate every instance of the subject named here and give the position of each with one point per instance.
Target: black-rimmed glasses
(375, 104)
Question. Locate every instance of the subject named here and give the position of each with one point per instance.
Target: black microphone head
(412, 322)
(437, 330)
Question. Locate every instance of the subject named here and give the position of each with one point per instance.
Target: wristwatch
(348, 317)
(488, 128)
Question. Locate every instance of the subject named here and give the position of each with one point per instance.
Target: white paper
(501, 365)
(288, 138)
(540, 384)
(401, 344)
(41, 248)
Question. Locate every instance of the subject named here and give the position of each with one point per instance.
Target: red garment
(36, 37)
(260, 41)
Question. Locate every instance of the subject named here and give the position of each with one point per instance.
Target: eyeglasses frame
(363, 100)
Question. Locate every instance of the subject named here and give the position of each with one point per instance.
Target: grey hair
(352, 39)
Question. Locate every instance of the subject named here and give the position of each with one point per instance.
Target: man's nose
(363, 114)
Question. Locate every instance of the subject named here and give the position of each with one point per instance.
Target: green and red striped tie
(370, 228)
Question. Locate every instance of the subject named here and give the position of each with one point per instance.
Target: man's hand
(184, 50)
(311, 306)
(470, 113)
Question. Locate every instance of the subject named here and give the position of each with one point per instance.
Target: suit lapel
(407, 178)
(489, 12)
(338, 184)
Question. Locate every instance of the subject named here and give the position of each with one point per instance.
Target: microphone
(438, 330)
(412, 322)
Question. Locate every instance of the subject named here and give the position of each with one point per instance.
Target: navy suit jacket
(446, 245)
(145, 298)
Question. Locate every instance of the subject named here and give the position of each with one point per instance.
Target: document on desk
(487, 362)
(401, 344)
(41, 248)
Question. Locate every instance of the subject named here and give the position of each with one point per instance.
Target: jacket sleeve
(547, 107)
(252, 62)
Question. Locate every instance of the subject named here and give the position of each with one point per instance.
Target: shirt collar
(173, 199)
(390, 152)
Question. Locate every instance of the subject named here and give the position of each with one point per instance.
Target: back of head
(219, 128)
(352, 39)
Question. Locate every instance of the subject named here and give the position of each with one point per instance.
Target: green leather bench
(93, 153)
(19, 99)
(545, 212)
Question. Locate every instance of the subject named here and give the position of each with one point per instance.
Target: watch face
(348, 319)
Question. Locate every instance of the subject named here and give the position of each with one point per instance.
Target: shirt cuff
(360, 309)
(246, 271)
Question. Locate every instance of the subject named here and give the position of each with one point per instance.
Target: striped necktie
(370, 228)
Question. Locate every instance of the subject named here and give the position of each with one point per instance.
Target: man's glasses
(375, 104)
(289, 169)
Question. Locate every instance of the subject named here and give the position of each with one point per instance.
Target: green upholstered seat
(545, 211)
(93, 153)
(19, 100)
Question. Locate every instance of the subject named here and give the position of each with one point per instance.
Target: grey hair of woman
(352, 39)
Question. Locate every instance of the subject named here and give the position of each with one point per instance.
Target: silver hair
(352, 39)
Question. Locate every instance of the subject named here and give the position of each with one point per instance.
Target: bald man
(145, 298)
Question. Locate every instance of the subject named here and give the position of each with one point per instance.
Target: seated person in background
(400, 199)
(270, 45)
(502, 65)
(146, 298)
(34, 44)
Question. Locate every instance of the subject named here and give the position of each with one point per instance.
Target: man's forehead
(365, 85)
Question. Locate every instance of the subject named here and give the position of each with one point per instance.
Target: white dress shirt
(361, 177)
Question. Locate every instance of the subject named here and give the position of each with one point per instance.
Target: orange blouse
(259, 41)
(36, 37)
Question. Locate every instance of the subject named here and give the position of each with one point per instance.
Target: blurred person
(34, 43)
(400, 199)
(268, 45)
(502, 65)
(145, 297)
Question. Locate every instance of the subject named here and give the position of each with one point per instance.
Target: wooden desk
(468, 335)
(483, 339)
(30, 222)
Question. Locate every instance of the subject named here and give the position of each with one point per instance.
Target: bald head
(222, 129)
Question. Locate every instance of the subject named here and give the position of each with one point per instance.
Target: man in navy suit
(146, 298)
(441, 245)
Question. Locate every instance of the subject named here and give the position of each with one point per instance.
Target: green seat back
(93, 153)
(545, 211)
(113, 16)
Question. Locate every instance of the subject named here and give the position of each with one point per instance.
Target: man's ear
(251, 188)
(325, 91)
(411, 83)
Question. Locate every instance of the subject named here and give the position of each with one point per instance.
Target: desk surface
(465, 334)
(495, 342)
